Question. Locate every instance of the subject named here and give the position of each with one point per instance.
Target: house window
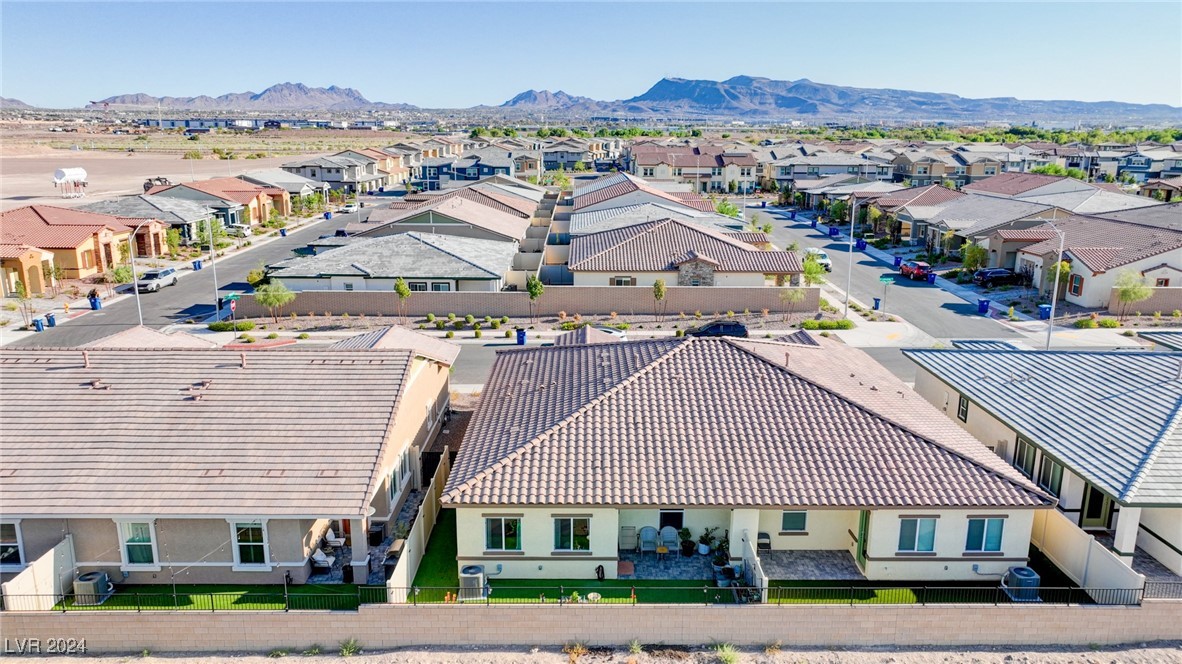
(921, 170)
(250, 543)
(398, 474)
(440, 287)
(917, 534)
(793, 522)
(572, 534)
(1075, 284)
(502, 534)
(418, 286)
(1024, 457)
(139, 543)
(348, 286)
(715, 171)
(695, 282)
(623, 281)
(962, 409)
(990, 170)
(984, 535)
(11, 548)
(677, 171)
(87, 259)
(1162, 283)
(1050, 476)
(647, 173)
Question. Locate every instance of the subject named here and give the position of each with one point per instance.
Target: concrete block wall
(1166, 300)
(389, 626)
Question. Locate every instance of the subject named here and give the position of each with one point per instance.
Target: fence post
(212, 607)
(1069, 592)
(561, 590)
(851, 595)
(923, 596)
(137, 602)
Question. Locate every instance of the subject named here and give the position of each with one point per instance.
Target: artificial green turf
(612, 591)
(438, 568)
(208, 597)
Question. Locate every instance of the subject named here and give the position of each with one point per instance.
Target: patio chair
(331, 539)
(669, 538)
(628, 541)
(322, 562)
(648, 539)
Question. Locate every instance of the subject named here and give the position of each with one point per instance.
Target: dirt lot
(1140, 654)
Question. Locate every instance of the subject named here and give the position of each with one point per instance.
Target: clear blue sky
(462, 54)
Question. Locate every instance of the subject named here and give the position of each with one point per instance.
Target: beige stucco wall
(646, 279)
(950, 560)
(827, 530)
(537, 559)
(1166, 523)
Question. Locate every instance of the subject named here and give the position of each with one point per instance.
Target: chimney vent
(242, 359)
(86, 359)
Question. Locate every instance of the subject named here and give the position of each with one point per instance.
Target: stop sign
(233, 305)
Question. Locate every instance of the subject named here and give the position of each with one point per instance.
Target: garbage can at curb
(860, 244)
(833, 231)
(50, 320)
(877, 303)
(792, 215)
(983, 307)
(932, 278)
(196, 265)
(898, 261)
(521, 336)
(282, 232)
(813, 223)
(38, 325)
(1044, 312)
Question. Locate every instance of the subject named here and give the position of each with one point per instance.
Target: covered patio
(807, 565)
(669, 566)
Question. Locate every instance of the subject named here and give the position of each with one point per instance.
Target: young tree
(1064, 274)
(725, 207)
(837, 210)
(403, 292)
(535, 288)
(659, 292)
(791, 297)
(172, 239)
(814, 272)
(274, 296)
(580, 167)
(24, 302)
(732, 186)
(1130, 289)
(973, 256)
(119, 276)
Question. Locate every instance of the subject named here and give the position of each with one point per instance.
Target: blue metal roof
(1115, 418)
(983, 344)
(1171, 340)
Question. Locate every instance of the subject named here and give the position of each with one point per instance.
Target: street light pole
(213, 265)
(1055, 290)
(135, 281)
(849, 276)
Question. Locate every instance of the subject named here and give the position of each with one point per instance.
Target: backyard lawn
(438, 567)
(198, 597)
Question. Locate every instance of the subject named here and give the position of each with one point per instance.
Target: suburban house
(578, 447)
(28, 265)
(186, 216)
(439, 172)
(488, 195)
(568, 153)
(681, 253)
(704, 169)
(1064, 193)
(294, 185)
(1098, 250)
(969, 217)
(1162, 189)
(391, 165)
(235, 201)
(234, 490)
(1148, 164)
(427, 262)
(348, 173)
(788, 172)
(912, 209)
(82, 243)
(1098, 430)
(584, 223)
(450, 215)
(621, 189)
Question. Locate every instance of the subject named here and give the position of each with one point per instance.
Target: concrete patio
(1143, 563)
(674, 566)
(810, 566)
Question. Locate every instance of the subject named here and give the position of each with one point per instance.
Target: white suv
(349, 207)
(820, 256)
(154, 280)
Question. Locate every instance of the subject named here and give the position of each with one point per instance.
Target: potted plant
(727, 578)
(721, 560)
(687, 542)
(705, 540)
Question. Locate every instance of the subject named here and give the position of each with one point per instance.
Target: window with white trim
(418, 286)
(794, 522)
(917, 534)
(572, 533)
(348, 285)
(1024, 457)
(502, 534)
(440, 287)
(646, 173)
(990, 170)
(250, 542)
(984, 535)
(12, 553)
(138, 539)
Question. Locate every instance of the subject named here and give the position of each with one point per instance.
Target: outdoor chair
(669, 538)
(648, 539)
(331, 539)
(322, 562)
(628, 541)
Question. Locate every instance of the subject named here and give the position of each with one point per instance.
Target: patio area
(672, 566)
(377, 554)
(1143, 563)
(810, 566)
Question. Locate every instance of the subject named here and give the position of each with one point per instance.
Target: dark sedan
(719, 328)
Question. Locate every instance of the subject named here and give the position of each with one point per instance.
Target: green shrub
(312, 650)
(229, 326)
(451, 316)
(1108, 322)
(477, 326)
(278, 652)
(841, 324)
(508, 334)
(430, 317)
(469, 319)
(458, 324)
(440, 324)
(422, 326)
(1129, 333)
(680, 333)
(246, 339)
(1085, 324)
(488, 319)
(350, 648)
(477, 333)
(450, 334)
(303, 335)
(504, 320)
(496, 324)
(273, 335)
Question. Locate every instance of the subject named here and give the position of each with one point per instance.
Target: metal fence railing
(347, 600)
(1163, 590)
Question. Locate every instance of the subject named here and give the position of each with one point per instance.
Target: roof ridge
(566, 421)
(433, 245)
(893, 422)
(396, 407)
(1173, 423)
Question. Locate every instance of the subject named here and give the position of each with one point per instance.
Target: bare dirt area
(659, 654)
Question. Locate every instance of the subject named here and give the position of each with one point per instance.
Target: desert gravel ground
(655, 654)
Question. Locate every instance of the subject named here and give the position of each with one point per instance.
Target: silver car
(154, 280)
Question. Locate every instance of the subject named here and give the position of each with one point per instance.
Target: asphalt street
(193, 296)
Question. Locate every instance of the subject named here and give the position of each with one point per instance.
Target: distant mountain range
(741, 97)
(5, 102)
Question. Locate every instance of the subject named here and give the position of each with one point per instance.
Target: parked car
(620, 335)
(341, 233)
(238, 230)
(994, 276)
(719, 328)
(915, 269)
(350, 207)
(154, 280)
(820, 256)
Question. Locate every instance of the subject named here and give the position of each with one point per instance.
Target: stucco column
(1125, 541)
(744, 524)
(359, 543)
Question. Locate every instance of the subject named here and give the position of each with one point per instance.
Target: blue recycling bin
(95, 303)
(328, 215)
(792, 215)
(1044, 312)
(877, 303)
(196, 265)
(381, 190)
(282, 232)
(931, 278)
(813, 223)
(983, 307)
(834, 231)
(38, 325)
(898, 261)
(521, 336)
(50, 319)
(763, 204)
(860, 244)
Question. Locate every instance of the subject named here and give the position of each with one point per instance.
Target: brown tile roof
(1012, 184)
(750, 237)
(231, 189)
(402, 338)
(13, 250)
(455, 207)
(1104, 244)
(146, 337)
(193, 432)
(930, 196)
(693, 200)
(585, 335)
(661, 245)
(619, 184)
(52, 227)
(1031, 234)
(697, 422)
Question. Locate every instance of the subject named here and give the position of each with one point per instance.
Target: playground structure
(72, 182)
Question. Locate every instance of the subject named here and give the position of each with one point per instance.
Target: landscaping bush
(469, 319)
(440, 324)
(508, 334)
(246, 339)
(302, 335)
(477, 333)
(1108, 322)
(680, 333)
(450, 334)
(1085, 324)
(842, 324)
(451, 316)
(496, 324)
(881, 243)
(504, 320)
(569, 325)
(273, 335)
(228, 326)
(430, 318)
(458, 324)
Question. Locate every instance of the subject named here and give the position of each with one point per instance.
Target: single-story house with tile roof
(913, 207)
(1102, 431)
(1057, 191)
(83, 243)
(160, 470)
(427, 262)
(585, 223)
(620, 189)
(576, 448)
(1098, 250)
(1163, 189)
(975, 217)
(139, 336)
(452, 215)
(488, 195)
(26, 264)
(294, 184)
(681, 253)
(188, 217)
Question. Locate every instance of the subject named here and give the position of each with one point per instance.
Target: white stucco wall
(949, 561)
(729, 279)
(1166, 523)
(537, 558)
(826, 530)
